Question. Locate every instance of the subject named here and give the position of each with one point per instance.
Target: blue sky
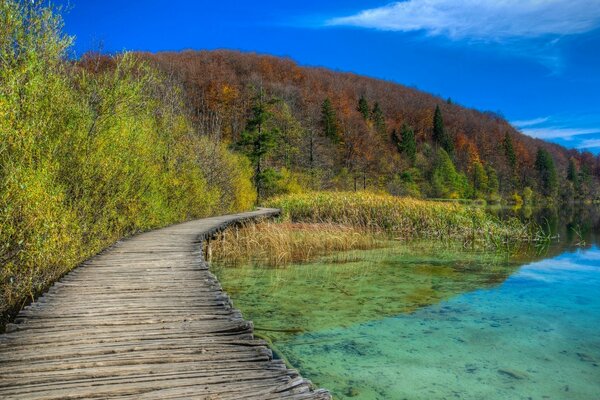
(537, 62)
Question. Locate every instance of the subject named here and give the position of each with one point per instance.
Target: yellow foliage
(89, 157)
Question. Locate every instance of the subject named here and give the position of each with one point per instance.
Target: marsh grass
(405, 218)
(280, 243)
(319, 224)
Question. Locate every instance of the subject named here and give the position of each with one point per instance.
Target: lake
(424, 320)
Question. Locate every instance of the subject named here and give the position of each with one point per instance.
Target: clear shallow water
(418, 321)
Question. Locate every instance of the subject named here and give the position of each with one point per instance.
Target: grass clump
(403, 217)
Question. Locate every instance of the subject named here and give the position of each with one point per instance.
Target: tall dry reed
(276, 244)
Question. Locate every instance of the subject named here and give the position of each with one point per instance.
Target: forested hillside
(320, 129)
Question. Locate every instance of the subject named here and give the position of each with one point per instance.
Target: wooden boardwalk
(143, 320)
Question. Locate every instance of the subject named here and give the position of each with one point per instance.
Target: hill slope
(222, 86)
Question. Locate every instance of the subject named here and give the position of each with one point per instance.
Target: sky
(536, 62)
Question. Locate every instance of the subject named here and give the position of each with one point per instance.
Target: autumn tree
(329, 120)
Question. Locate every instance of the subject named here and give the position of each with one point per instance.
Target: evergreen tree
(258, 140)
(396, 139)
(509, 152)
(329, 120)
(378, 120)
(548, 179)
(480, 178)
(493, 184)
(446, 181)
(572, 174)
(438, 126)
(363, 108)
(440, 136)
(408, 145)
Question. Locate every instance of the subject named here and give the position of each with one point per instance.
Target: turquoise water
(421, 321)
(534, 337)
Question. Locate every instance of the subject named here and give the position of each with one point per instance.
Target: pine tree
(440, 136)
(258, 139)
(408, 145)
(329, 120)
(480, 178)
(379, 120)
(509, 152)
(438, 126)
(446, 181)
(572, 174)
(548, 179)
(396, 139)
(493, 184)
(363, 108)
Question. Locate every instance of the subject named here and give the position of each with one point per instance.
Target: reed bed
(277, 244)
(318, 224)
(403, 217)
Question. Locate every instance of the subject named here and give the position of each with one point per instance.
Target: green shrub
(89, 155)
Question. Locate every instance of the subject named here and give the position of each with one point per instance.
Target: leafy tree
(379, 120)
(329, 121)
(258, 140)
(289, 141)
(363, 108)
(90, 153)
(548, 179)
(440, 136)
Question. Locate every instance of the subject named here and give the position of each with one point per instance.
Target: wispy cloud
(486, 20)
(557, 132)
(529, 122)
(549, 128)
(589, 144)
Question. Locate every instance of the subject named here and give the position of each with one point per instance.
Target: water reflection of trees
(577, 225)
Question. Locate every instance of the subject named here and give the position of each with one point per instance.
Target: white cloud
(487, 20)
(557, 133)
(589, 144)
(556, 269)
(529, 122)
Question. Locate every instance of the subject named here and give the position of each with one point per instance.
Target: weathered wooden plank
(144, 319)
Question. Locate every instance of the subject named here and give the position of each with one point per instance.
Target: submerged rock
(587, 358)
(351, 392)
(512, 373)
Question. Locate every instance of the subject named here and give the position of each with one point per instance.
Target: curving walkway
(144, 320)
